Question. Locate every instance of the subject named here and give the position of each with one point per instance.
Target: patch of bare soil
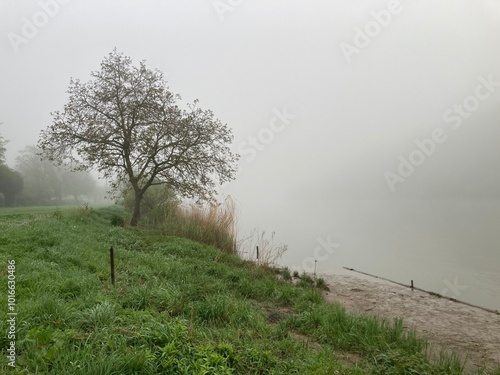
(472, 333)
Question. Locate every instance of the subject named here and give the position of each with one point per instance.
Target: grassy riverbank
(178, 307)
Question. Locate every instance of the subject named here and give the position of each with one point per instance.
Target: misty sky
(332, 108)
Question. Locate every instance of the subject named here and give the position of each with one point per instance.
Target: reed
(210, 224)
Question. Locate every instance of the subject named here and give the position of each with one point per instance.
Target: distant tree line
(35, 181)
(11, 182)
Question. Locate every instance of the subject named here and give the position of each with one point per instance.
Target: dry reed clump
(261, 249)
(216, 225)
(211, 224)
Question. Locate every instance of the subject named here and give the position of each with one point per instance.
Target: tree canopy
(11, 182)
(3, 149)
(125, 123)
(43, 181)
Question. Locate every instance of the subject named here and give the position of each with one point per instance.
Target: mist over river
(449, 247)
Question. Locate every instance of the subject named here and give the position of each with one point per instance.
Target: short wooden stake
(257, 252)
(112, 261)
(412, 285)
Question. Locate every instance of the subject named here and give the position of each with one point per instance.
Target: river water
(448, 247)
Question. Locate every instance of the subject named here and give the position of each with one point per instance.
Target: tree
(42, 180)
(77, 183)
(158, 202)
(125, 123)
(11, 183)
(3, 142)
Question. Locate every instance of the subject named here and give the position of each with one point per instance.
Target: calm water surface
(449, 247)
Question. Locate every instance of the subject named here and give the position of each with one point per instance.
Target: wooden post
(112, 261)
(412, 285)
(257, 247)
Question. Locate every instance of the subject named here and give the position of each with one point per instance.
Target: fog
(373, 123)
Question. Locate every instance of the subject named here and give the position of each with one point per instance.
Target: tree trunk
(137, 209)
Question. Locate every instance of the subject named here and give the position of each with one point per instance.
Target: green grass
(178, 307)
(32, 210)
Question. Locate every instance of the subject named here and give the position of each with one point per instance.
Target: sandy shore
(470, 332)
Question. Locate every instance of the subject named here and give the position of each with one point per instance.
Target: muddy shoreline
(471, 332)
